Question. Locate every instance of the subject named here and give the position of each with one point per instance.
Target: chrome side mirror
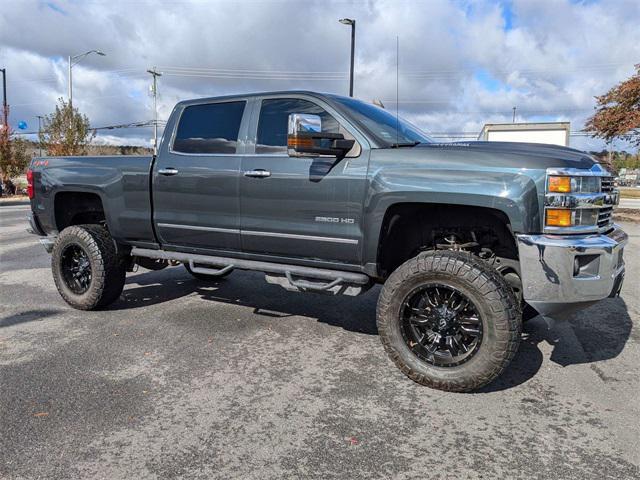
(301, 124)
(305, 138)
(304, 122)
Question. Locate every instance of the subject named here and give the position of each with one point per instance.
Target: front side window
(274, 119)
(209, 128)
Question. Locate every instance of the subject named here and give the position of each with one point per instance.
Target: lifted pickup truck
(329, 194)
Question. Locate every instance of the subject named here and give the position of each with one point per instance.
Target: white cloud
(557, 55)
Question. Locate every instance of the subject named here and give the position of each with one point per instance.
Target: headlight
(564, 217)
(575, 184)
(559, 184)
(560, 218)
(578, 201)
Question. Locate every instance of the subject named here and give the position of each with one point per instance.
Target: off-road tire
(108, 269)
(498, 308)
(203, 276)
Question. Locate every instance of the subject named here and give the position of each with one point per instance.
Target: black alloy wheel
(441, 325)
(448, 320)
(75, 267)
(87, 268)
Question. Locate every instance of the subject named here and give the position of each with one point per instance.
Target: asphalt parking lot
(240, 379)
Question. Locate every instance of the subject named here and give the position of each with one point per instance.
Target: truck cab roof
(274, 93)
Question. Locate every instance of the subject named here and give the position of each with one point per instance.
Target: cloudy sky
(462, 63)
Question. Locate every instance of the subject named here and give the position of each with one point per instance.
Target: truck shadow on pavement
(28, 316)
(595, 334)
(249, 289)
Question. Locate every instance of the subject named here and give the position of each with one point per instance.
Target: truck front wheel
(87, 269)
(449, 321)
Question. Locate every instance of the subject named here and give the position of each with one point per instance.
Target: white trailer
(555, 133)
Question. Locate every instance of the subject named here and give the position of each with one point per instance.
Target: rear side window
(209, 128)
(274, 121)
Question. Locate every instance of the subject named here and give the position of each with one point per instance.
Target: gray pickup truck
(332, 195)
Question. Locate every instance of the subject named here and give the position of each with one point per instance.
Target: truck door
(195, 179)
(300, 207)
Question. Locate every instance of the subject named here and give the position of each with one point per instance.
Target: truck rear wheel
(449, 321)
(86, 267)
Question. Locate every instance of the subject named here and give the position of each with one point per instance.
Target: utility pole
(40, 117)
(4, 86)
(4, 132)
(155, 76)
(69, 85)
(5, 106)
(514, 115)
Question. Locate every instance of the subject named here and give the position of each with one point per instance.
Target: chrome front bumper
(553, 283)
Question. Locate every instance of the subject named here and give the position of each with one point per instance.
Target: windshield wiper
(401, 145)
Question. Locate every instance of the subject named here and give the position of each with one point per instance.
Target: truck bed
(120, 182)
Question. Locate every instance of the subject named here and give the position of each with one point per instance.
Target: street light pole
(40, 117)
(155, 76)
(352, 22)
(74, 60)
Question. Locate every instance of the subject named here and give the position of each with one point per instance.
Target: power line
(510, 109)
(440, 74)
(260, 74)
(237, 70)
(253, 77)
(143, 124)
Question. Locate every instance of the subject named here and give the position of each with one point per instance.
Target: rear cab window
(210, 128)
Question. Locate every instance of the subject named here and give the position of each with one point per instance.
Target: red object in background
(30, 183)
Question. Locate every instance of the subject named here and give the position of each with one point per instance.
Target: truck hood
(508, 154)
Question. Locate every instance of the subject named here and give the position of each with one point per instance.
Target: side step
(309, 278)
(210, 271)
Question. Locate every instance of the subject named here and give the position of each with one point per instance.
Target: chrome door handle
(168, 171)
(259, 173)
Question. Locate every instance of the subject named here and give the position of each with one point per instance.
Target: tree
(66, 131)
(13, 154)
(618, 112)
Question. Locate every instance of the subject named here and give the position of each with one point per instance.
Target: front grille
(605, 215)
(606, 184)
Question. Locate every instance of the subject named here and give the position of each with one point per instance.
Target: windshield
(383, 125)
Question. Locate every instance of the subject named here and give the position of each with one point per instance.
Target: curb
(12, 203)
